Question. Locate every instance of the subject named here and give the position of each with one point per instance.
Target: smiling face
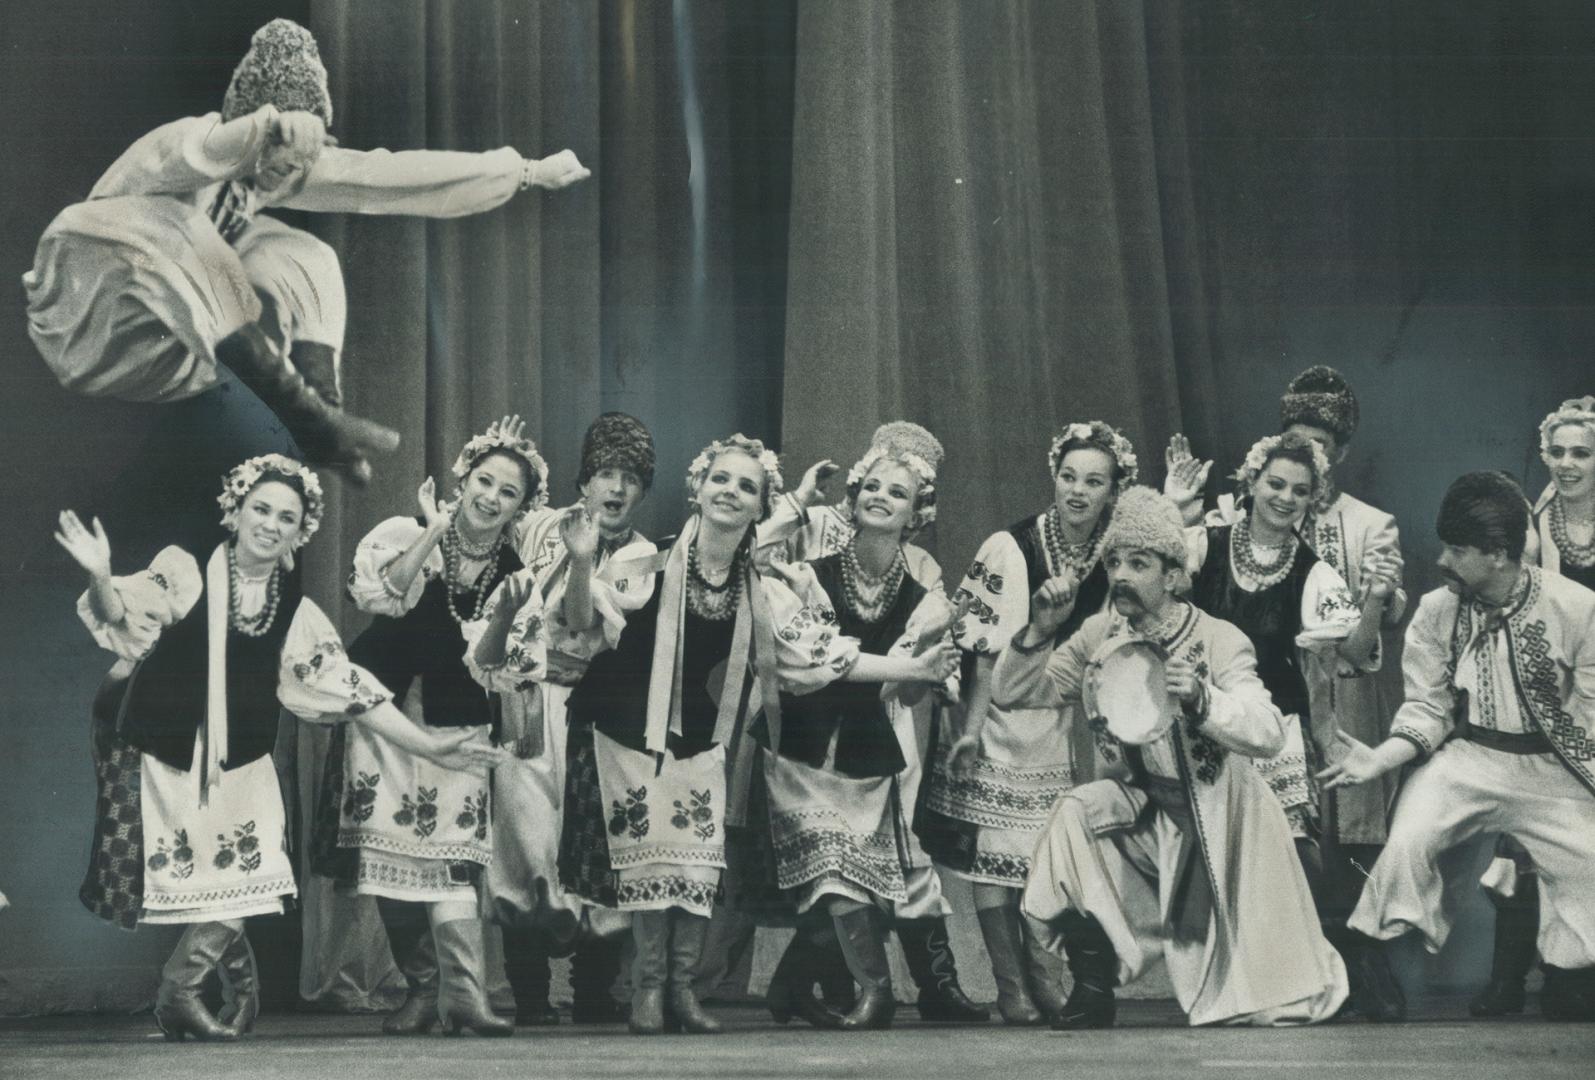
(268, 524)
(611, 496)
(732, 493)
(1283, 491)
(1571, 457)
(1083, 486)
(491, 493)
(886, 497)
(1139, 581)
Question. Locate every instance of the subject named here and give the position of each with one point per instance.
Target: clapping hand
(91, 550)
(435, 517)
(579, 532)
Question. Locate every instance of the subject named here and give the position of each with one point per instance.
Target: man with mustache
(1500, 707)
(1181, 849)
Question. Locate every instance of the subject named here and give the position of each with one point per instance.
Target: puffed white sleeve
(316, 680)
(369, 586)
(1329, 615)
(811, 652)
(997, 594)
(1425, 717)
(180, 157)
(525, 647)
(152, 600)
(424, 183)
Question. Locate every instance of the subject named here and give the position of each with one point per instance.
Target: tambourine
(1126, 689)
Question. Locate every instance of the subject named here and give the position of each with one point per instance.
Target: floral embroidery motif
(699, 816)
(243, 847)
(422, 812)
(992, 581)
(630, 817)
(179, 856)
(1107, 745)
(160, 579)
(983, 612)
(474, 814)
(1205, 752)
(360, 801)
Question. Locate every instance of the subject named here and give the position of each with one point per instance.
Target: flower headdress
(1246, 476)
(1103, 437)
(698, 471)
(1573, 411)
(924, 498)
(243, 478)
(493, 440)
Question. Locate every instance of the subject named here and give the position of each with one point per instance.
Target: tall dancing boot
(319, 366)
(461, 964)
(1568, 993)
(178, 1010)
(1095, 966)
(593, 970)
(410, 939)
(1043, 972)
(688, 932)
(1000, 927)
(928, 948)
(1517, 928)
(1380, 997)
(791, 992)
(327, 435)
(863, 936)
(242, 981)
(526, 967)
(650, 931)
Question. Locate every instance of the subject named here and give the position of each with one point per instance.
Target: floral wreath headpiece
(1245, 477)
(698, 471)
(243, 478)
(924, 499)
(1573, 411)
(1104, 437)
(493, 439)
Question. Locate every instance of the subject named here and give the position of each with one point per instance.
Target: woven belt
(1508, 742)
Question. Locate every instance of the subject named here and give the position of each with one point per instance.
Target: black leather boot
(791, 992)
(1517, 928)
(526, 967)
(863, 935)
(593, 969)
(178, 1010)
(461, 963)
(1095, 966)
(326, 434)
(319, 366)
(410, 940)
(1568, 993)
(1379, 995)
(929, 951)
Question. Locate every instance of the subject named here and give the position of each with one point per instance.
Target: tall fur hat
(1145, 520)
(907, 437)
(617, 440)
(1320, 396)
(282, 68)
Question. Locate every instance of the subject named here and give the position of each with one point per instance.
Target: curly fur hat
(1320, 396)
(1145, 520)
(282, 68)
(617, 440)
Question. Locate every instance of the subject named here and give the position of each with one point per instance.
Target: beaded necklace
(1579, 555)
(456, 549)
(868, 596)
(1077, 557)
(710, 601)
(254, 625)
(1243, 553)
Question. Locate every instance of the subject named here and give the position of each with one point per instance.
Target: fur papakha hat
(617, 440)
(282, 68)
(1145, 520)
(1321, 397)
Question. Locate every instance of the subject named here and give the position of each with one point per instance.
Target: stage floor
(1150, 1042)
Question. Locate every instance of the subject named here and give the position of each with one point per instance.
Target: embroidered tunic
(163, 854)
(1181, 851)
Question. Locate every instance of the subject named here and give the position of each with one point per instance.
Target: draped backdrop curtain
(992, 235)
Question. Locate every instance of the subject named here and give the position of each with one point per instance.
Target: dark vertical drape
(991, 235)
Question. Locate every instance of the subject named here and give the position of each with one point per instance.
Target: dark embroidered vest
(165, 703)
(1271, 617)
(1089, 597)
(867, 745)
(425, 643)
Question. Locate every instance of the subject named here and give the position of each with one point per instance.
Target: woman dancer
(413, 834)
(988, 799)
(190, 825)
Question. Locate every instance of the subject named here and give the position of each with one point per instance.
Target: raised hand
(90, 550)
(559, 170)
(1186, 475)
(513, 595)
(435, 518)
(808, 490)
(1052, 603)
(579, 532)
(512, 427)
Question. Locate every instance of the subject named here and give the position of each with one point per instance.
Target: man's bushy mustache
(1122, 591)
